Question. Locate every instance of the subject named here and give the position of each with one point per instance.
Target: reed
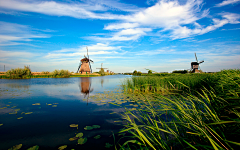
(207, 119)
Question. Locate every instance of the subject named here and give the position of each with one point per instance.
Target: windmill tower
(85, 65)
(102, 69)
(195, 65)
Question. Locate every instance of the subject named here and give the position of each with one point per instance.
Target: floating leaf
(49, 104)
(37, 104)
(62, 147)
(96, 126)
(22, 112)
(16, 109)
(108, 145)
(135, 105)
(7, 105)
(134, 109)
(16, 147)
(1, 124)
(73, 125)
(9, 102)
(13, 106)
(88, 128)
(3, 107)
(13, 113)
(54, 105)
(73, 138)
(82, 140)
(79, 134)
(28, 113)
(20, 118)
(36, 147)
(97, 136)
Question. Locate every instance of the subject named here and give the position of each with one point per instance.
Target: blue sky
(124, 35)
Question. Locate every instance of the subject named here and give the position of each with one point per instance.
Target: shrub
(61, 73)
(19, 72)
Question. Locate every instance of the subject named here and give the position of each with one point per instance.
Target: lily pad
(49, 104)
(16, 147)
(28, 113)
(20, 118)
(96, 126)
(97, 136)
(73, 138)
(88, 128)
(62, 147)
(79, 135)
(108, 145)
(82, 140)
(73, 125)
(36, 147)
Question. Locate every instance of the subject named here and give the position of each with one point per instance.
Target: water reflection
(85, 87)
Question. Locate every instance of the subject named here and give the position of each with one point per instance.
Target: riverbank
(41, 75)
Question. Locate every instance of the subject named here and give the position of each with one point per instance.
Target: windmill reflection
(86, 87)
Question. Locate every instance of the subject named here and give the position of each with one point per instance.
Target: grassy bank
(203, 112)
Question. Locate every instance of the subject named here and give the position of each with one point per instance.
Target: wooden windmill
(102, 69)
(195, 65)
(85, 65)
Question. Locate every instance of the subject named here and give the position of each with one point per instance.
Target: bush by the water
(19, 72)
(61, 73)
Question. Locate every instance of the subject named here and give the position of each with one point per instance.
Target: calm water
(48, 126)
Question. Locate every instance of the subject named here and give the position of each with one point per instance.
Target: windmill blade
(201, 61)
(196, 57)
(87, 52)
(79, 67)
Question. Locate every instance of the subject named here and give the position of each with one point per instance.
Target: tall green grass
(206, 118)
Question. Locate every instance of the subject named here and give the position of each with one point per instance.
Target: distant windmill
(84, 65)
(195, 65)
(102, 68)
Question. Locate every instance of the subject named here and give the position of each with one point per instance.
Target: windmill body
(85, 66)
(195, 65)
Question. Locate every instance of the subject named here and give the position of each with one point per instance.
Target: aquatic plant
(207, 119)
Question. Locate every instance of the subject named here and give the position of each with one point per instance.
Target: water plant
(203, 115)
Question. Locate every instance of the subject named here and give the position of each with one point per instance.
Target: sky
(124, 35)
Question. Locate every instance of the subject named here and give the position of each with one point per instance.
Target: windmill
(102, 69)
(195, 65)
(84, 65)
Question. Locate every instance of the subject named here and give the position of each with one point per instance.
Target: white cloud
(227, 2)
(11, 34)
(121, 26)
(76, 10)
(98, 49)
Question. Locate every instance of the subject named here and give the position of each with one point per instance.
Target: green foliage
(180, 71)
(135, 72)
(45, 72)
(149, 71)
(204, 115)
(61, 73)
(19, 73)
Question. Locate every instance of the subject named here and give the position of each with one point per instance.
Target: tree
(135, 72)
